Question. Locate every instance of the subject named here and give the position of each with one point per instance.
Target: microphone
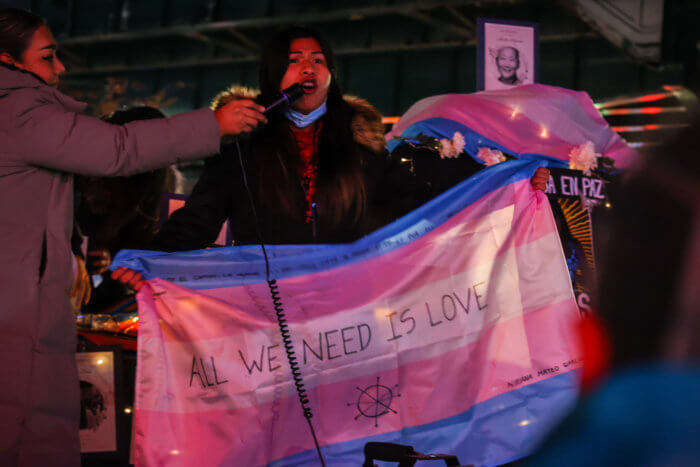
(286, 97)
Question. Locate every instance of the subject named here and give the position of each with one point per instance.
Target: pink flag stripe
(517, 359)
(545, 107)
(570, 115)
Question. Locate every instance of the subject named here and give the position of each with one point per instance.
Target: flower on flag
(584, 158)
(490, 156)
(452, 148)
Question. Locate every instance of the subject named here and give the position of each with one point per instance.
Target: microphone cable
(281, 317)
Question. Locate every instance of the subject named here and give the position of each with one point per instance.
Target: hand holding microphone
(240, 116)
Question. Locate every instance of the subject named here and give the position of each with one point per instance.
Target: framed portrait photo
(507, 54)
(101, 405)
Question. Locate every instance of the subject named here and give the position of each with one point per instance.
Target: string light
(643, 111)
(634, 100)
(127, 410)
(648, 127)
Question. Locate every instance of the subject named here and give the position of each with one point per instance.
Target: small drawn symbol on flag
(375, 401)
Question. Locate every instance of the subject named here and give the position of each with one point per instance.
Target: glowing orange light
(636, 128)
(652, 97)
(627, 129)
(544, 133)
(390, 120)
(632, 100)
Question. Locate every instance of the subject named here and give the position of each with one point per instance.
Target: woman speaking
(44, 138)
(317, 173)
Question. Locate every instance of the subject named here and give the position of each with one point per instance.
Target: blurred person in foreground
(641, 377)
(44, 139)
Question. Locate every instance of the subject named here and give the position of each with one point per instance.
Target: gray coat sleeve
(48, 135)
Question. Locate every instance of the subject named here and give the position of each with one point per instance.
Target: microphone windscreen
(294, 92)
(285, 97)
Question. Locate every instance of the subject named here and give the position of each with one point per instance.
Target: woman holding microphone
(44, 139)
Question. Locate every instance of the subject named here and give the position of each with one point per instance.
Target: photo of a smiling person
(507, 54)
(508, 63)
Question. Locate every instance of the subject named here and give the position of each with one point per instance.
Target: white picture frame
(98, 402)
(507, 54)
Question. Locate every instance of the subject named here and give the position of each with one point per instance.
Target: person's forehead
(305, 44)
(43, 38)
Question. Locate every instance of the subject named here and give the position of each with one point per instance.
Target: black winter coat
(221, 194)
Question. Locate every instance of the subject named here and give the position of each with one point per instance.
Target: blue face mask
(300, 120)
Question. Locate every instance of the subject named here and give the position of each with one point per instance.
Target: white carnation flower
(458, 142)
(490, 156)
(584, 158)
(446, 148)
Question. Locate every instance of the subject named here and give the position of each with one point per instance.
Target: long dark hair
(134, 209)
(341, 192)
(16, 30)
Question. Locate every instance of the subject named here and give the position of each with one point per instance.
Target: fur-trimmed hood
(367, 126)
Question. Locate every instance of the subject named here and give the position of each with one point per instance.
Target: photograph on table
(507, 54)
(102, 424)
(98, 427)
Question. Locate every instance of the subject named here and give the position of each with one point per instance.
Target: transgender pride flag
(449, 330)
(534, 121)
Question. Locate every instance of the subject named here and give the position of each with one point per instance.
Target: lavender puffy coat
(44, 139)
